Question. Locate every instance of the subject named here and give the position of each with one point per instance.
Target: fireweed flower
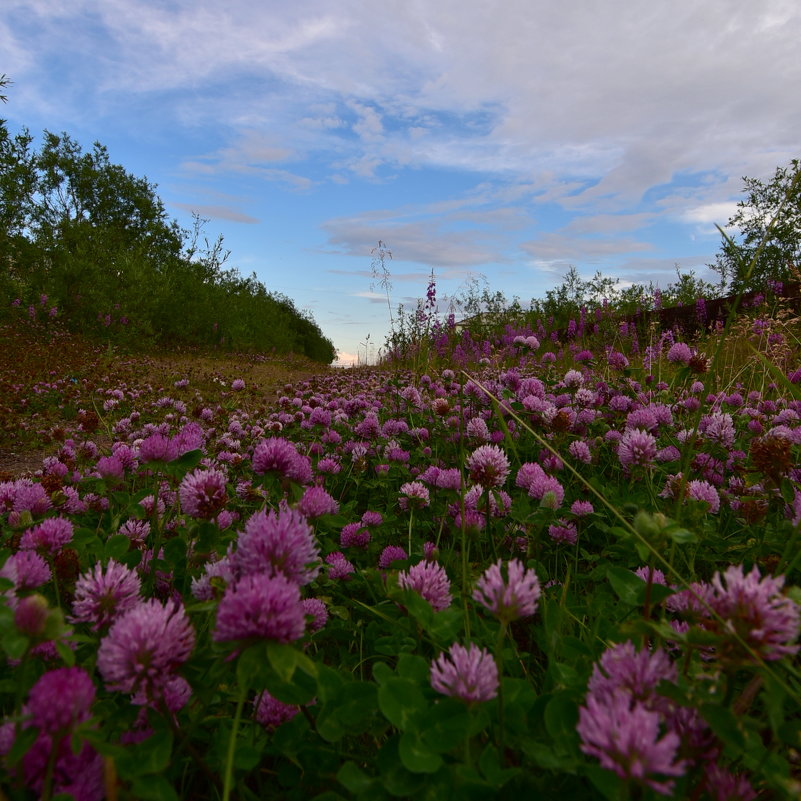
(469, 674)
(282, 542)
(101, 595)
(262, 607)
(145, 646)
(202, 493)
(60, 700)
(755, 608)
(430, 581)
(50, 536)
(625, 737)
(508, 597)
(488, 466)
(414, 495)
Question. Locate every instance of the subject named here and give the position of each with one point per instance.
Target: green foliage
(769, 223)
(98, 243)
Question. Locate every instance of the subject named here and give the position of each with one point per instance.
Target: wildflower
(354, 535)
(581, 508)
(705, 492)
(50, 536)
(271, 713)
(756, 609)
(563, 531)
(573, 379)
(315, 609)
(469, 674)
(282, 542)
(110, 468)
(203, 588)
(511, 597)
(637, 673)
(279, 456)
(680, 353)
(316, 502)
(488, 466)
(101, 596)
(261, 606)
(60, 700)
(617, 361)
(390, 554)
(202, 493)
(338, 566)
(237, 385)
(636, 447)
(27, 569)
(144, 646)
(580, 451)
(136, 530)
(31, 615)
(652, 575)
(430, 581)
(477, 429)
(157, 448)
(721, 785)
(414, 495)
(624, 736)
(372, 518)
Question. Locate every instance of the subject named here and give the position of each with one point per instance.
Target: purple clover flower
(508, 597)
(390, 554)
(757, 610)
(102, 595)
(625, 737)
(636, 447)
(202, 493)
(50, 536)
(271, 713)
(145, 646)
(488, 466)
(430, 581)
(282, 542)
(316, 502)
(261, 606)
(338, 566)
(60, 700)
(469, 674)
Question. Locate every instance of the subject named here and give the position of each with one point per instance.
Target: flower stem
(229, 760)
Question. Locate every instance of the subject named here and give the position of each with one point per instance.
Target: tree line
(98, 244)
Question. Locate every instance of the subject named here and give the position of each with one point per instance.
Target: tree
(769, 225)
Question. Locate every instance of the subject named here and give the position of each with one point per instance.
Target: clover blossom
(469, 674)
(488, 466)
(430, 581)
(756, 609)
(261, 606)
(509, 597)
(102, 595)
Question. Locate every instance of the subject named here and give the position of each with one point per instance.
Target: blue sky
(508, 139)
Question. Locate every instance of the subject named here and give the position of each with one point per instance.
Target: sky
(499, 141)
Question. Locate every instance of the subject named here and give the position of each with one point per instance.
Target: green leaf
(116, 547)
(725, 724)
(354, 779)
(416, 756)
(626, 584)
(153, 787)
(149, 756)
(444, 725)
(401, 702)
